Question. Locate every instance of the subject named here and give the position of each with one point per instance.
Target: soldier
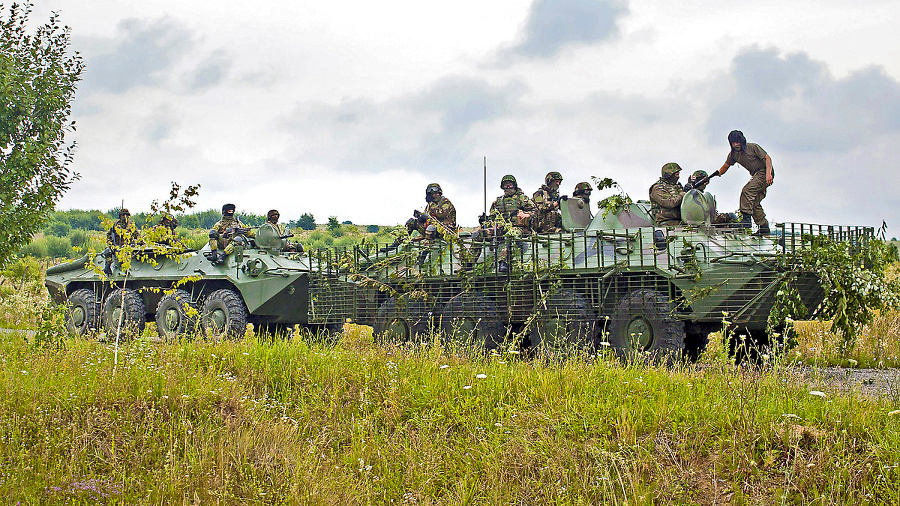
(510, 215)
(164, 231)
(438, 210)
(701, 175)
(583, 191)
(272, 219)
(759, 164)
(666, 196)
(121, 233)
(223, 233)
(548, 219)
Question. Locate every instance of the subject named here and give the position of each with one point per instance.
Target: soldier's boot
(746, 222)
(107, 268)
(502, 266)
(390, 247)
(763, 231)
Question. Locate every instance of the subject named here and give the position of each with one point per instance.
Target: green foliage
(333, 224)
(58, 228)
(58, 247)
(77, 219)
(79, 238)
(189, 221)
(209, 218)
(35, 249)
(250, 219)
(24, 269)
(306, 222)
(614, 203)
(373, 229)
(853, 276)
(51, 331)
(38, 77)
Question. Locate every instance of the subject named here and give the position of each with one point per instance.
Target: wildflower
(467, 387)
(790, 415)
(444, 366)
(853, 363)
(245, 353)
(498, 424)
(894, 412)
(817, 393)
(481, 376)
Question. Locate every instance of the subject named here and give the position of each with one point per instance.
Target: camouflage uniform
(272, 219)
(666, 196)
(548, 219)
(217, 239)
(504, 219)
(440, 210)
(121, 233)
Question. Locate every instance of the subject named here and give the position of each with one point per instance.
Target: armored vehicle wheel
(127, 305)
(566, 324)
(471, 319)
(176, 315)
(83, 312)
(400, 320)
(643, 324)
(224, 315)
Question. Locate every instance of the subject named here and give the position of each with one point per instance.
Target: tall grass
(265, 421)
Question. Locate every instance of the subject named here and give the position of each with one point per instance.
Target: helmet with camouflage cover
(431, 190)
(582, 188)
(670, 171)
(698, 175)
(551, 176)
(509, 178)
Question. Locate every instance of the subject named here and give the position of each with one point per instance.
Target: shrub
(306, 222)
(57, 228)
(27, 268)
(79, 238)
(36, 249)
(373, 229)
(58, 247)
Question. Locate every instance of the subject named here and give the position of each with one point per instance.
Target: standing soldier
(759, 164)
(222, 234)
(510, 215)
(121, 233)
(546, 201)
(666, 196)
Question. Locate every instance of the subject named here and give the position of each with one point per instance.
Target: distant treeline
(61, 222)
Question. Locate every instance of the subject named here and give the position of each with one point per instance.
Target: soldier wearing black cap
(759, 164)
(223, 232)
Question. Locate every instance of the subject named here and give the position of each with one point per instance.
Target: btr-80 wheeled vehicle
(613, 280)
(258, 283)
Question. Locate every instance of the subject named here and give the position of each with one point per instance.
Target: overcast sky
(350, 108)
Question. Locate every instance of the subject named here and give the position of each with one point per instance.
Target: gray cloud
(801, 106)
(555, 24)
(428, 131)
(160, 125)
(136, 57)
(209, 73)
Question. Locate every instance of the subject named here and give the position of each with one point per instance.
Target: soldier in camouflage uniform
(223, 234)
(666, 196)
(121, 233)
(510, 215)
(583, 191)
(438, 210)
(548, 219)
(272, 219)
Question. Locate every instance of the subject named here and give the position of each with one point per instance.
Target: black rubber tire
(176, 315)
(567, 323)
(134, 318)
(472, 320)
(83, 312)
(402, 320)
(696, 338)
(224, 315)
(659, 335)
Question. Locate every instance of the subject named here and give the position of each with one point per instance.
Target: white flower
(467, 387)
(444, 366)
(894, 412)
(790, 415)
(481, 376)
(817, 393)
(245, 353)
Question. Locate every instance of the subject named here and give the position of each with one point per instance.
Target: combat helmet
(698, 175)
(509, 178)
(582, 188)
(551, 176)
(670, 169)
(433, 188)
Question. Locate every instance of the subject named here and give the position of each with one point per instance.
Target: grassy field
(290, 421)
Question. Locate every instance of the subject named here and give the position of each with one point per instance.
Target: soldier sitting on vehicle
(164, 231)
(121, 233)
(699, 181)
(272, 219)
(439, 217)
(583, 192)
(666, 196)
(548, 219)
(224, 233)
(510, 215)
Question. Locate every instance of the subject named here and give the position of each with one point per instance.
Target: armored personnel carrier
(258, 283)
(613, 280)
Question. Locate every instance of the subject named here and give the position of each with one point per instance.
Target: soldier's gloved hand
(688, 187)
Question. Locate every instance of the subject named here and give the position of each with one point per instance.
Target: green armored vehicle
(258, 283)
(608, 280)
